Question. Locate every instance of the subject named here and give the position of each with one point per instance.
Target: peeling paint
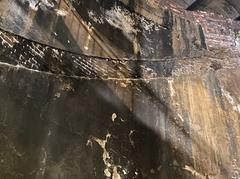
(61, 12)
(105, 156)
(114, 116)
(115, 174)
(194, 172)
(123, 20)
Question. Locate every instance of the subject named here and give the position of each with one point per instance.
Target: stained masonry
(144, 91)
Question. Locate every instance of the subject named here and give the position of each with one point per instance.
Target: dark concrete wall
(115, 30)
(70, 116)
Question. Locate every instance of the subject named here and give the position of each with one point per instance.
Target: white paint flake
(194, 172)
(123, 20)
(114, 116)
(115, 174)
(105, 155)
(95, 17)
(61, 12)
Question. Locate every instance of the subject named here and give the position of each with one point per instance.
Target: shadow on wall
(70, 127)
(57, 128)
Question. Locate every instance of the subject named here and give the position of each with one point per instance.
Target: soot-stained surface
(61, 128)
(114, 29)
(120, 29)
(64, 115)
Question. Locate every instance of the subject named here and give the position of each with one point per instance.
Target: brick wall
(219, 32)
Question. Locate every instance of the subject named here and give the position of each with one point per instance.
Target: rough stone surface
(59, 123)
(70, 116)
(120, 29)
